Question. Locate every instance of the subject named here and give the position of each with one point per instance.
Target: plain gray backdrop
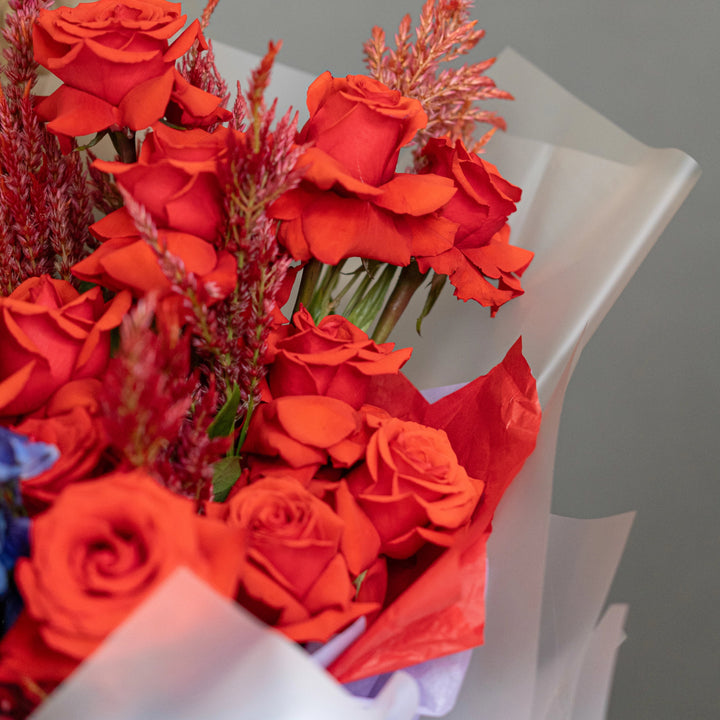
(641, 422)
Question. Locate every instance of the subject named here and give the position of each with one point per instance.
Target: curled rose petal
(480, 208)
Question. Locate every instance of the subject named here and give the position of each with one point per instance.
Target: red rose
(351, 201)
(116, 61)
(412, 487)
(480, 207)
(105, 545)
(125, 261)
(192, 107)
(72, 424)
(305, 432)
(50, 334)
(297, 578)
(332, 358)
(176, 178)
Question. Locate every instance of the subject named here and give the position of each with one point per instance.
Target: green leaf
(436, 286)
(98, 137)
(224, 422)
(358, 581)
(225, 474)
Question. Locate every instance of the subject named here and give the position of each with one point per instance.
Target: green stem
(335, 302)
(308, 282)
(367, 310)
(322, 300)
(409, 281)
(368, 276)
(124, 146)
(246, 424)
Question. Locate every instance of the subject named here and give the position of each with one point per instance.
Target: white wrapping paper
(594, 202)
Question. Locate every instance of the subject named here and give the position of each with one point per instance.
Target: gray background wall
(641, 422)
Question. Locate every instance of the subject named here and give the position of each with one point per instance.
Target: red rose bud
(72, 424)
(305, 432)
(177, 180)
(105, 546)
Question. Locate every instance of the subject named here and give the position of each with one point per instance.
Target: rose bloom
(297, 579)
(72, 424)
(177, 179)
(303, 433)
(117, 63)
(480, 207)
(333, 358)
(351, 201)
(51, 334)
(105, 546)
(412, 487)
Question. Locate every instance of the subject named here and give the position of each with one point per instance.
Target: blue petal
(21, 459)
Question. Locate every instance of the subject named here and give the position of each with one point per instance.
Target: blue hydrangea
(20, 459)
(15, 541)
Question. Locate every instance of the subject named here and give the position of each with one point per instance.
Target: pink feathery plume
(449, 96)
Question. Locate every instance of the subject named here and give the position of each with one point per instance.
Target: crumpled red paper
(492, 424)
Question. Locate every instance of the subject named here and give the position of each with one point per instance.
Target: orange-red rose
(72, 424)
(351, 201)
(105, 545)
(480, 207)
(305, 432)
(332, 358)
(297, 578)
(412, 487)
(117, 63)
(176, 178)
(49, 335)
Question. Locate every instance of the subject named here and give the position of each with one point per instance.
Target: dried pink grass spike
(207, 13)
(211, 349)
(261, 167)
(45, 199)
(449, 95)
(155, 407)
(198, 65)
(187, 465)
(169, 377)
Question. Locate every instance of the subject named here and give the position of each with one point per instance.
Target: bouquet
(288, 464)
